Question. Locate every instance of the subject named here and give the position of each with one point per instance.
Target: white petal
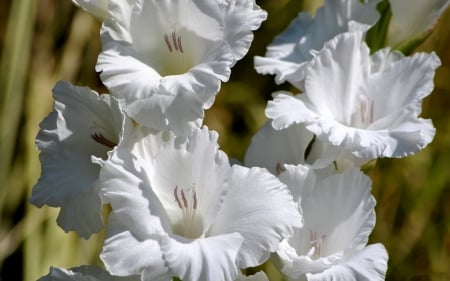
(286, 110)
(369, 263)
(343, 66)
(261, 209)
(300, 179)
(83, 273)
(212, 258)
(241, 18)
(272, 148)
(119, 18)
(406, 80)
(82, 124)
(125, 254)
(347, 214)
(289, 53)
(125, 184)
(411, 18)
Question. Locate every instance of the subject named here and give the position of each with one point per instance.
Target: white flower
(189, 214)
(82, 124)
(413, 18)
(338, 212)
(367, 105)
(83, 273)
(167, 58)
(289, 53)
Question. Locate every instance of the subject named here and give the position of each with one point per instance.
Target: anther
(362, 109)
(166, 39)
(174, 40)
(98, 137)
(183, 197)
(179, 44)
(195, 200)
(175, 193)
(279, 169)
(371, 111)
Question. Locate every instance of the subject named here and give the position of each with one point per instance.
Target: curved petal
(347, 209)
(81, 125)
(261, 209)
(286, 110)
(406, 80)
(211, 258)
(125, 254)
(343, 66)
(367, 264)
(271, 148)
(240, 19)
(124, 182)
(413, 18)
(289, 53)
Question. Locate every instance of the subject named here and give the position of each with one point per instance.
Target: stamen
(316, 244)
(366, 110)
(184, 202)
(279, 169)
(195, 200)
(166, 39)
(98, 137)
(179, 44)
(174, 39)
(371, 111)
(183, 197)
(175, 193)
(362, 108)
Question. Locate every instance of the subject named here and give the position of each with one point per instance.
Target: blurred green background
(43, 41)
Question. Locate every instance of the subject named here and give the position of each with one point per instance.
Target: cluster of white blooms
(180, 210)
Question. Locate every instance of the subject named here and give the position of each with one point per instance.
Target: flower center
(190, 224)
(175, 56)
(316, 243)
(99, 138)
(364, 115)
(176, 41)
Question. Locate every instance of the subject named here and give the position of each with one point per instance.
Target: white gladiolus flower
(83, 273)
(413, 18)
(167, 58)
(189, 214)
(289, 53)
(82, 124)
(338, 212)
(366, 105)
